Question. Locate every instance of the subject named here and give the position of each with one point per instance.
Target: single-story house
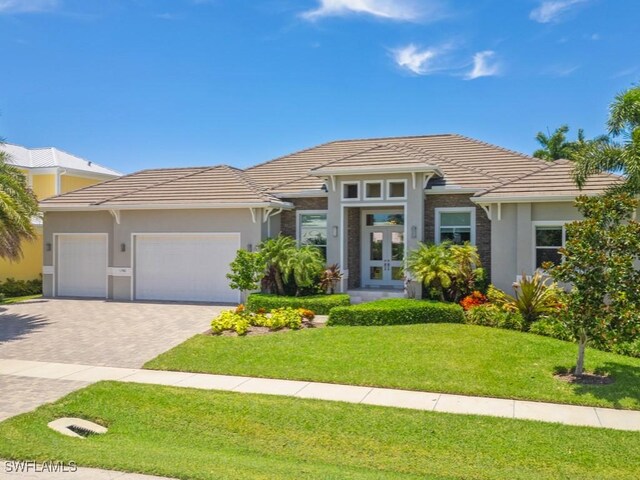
(170, 234)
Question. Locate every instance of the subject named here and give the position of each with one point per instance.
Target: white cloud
(404, 10)
(551, 10)
(420, 62)
(484, 65)
(560, 70)
(27, 6)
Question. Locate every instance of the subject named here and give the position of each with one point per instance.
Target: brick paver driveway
(91, 332)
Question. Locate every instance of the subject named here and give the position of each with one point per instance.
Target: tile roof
(52, 157)
(553, 180)
(465, 162)
(173, 186)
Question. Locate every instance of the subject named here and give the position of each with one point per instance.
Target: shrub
(306, 313)
(490, 315)
(2, 298)
(281, 318)
(473, 300)
(21, 288)
(551, 327)
(320, 304)
(396, 311)
(230, 320)
(247, 269)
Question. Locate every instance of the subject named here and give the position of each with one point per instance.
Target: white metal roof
(52, 157)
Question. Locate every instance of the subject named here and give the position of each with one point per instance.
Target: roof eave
(79, 207)
(530, 198)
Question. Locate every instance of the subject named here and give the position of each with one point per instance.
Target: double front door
(383, 249)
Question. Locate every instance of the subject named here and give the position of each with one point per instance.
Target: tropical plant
(555, 146)
(534, 297)
(276, 253)
(247, 270)
(599, 261)
(330, 278)
(469, 275)
(433, 265)
(304, 265)
(473, 300)
(18, 208)
(621, 155)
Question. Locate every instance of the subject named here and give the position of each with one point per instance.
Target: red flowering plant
(470, 301)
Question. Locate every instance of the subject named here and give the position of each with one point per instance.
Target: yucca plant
(433, 265)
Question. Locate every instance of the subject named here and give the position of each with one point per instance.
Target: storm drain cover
(76, 427)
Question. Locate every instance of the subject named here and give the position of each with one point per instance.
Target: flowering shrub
(306, 313)
(240, 320)
(230, 320)
(473, 300)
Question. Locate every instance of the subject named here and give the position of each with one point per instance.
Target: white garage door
(82, 266)
(185, 267)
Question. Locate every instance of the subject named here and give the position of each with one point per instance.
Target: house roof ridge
(498, 147)
(399, 137)
(438, 156)
(287, 155)
(517, 179)
(244, 178)
(101, 202)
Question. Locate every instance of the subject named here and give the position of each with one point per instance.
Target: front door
(383, 249)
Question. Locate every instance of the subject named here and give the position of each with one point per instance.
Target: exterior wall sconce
(249, 247)
(48, 246)
(334, 230)
(123, 247)
(414, 231)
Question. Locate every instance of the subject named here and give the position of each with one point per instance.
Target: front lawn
(196, 434)
(450, 358)
(11, 300)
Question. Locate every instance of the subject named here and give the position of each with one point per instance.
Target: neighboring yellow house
(49, 172)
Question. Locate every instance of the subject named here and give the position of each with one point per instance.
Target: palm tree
(18, 207)
(623, 155)
(433, 266)
(305, 265)
(276, 253)
(554, 145)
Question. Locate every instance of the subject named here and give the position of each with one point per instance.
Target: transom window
(312, 229)
(373, 190)
(548, 240)
(456, 225)
(384, 219)
(396, 189)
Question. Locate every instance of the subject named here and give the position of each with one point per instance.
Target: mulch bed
(585, 379)
(253, 330)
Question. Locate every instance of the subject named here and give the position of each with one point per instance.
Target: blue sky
(138, 84)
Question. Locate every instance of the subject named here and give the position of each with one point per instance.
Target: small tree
(247, 270)
(432, 265)
(598, 261)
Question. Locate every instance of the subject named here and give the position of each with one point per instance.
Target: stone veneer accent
(354, 247)
(483, 224)
(288, 217)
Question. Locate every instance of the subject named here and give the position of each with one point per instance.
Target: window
(548, 240)
(384, 219)
(456, 225)
(397, 189)
(350, 191)
(373, 190)
(312, 229)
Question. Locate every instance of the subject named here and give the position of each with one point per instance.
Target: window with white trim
(549, 239)
(312, 229)
(373, 190)
(455, 225)
(397, 189)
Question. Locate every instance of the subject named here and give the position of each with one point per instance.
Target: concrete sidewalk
(437, 402)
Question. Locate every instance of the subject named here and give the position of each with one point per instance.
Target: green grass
(11, 300)
(451, 358)
(195, 434)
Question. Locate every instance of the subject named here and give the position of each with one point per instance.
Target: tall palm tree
(18, 208)
(554, 145)
(622, 155)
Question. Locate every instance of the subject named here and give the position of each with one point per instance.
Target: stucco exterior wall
(146, 221)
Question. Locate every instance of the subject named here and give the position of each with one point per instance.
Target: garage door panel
(82, 266)
(185, 267)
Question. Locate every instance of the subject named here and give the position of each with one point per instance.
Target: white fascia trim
(375, 170)
(546, 199)
(450, 190)
(302, 194)
(168, 206)
(71, 171)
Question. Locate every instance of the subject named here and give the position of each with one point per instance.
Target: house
(49, 172)
(170, 234)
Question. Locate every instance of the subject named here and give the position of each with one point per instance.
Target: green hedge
(397, 311)
(21, 288)
(319, 304)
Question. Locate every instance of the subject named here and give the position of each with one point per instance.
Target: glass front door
(383, 250)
